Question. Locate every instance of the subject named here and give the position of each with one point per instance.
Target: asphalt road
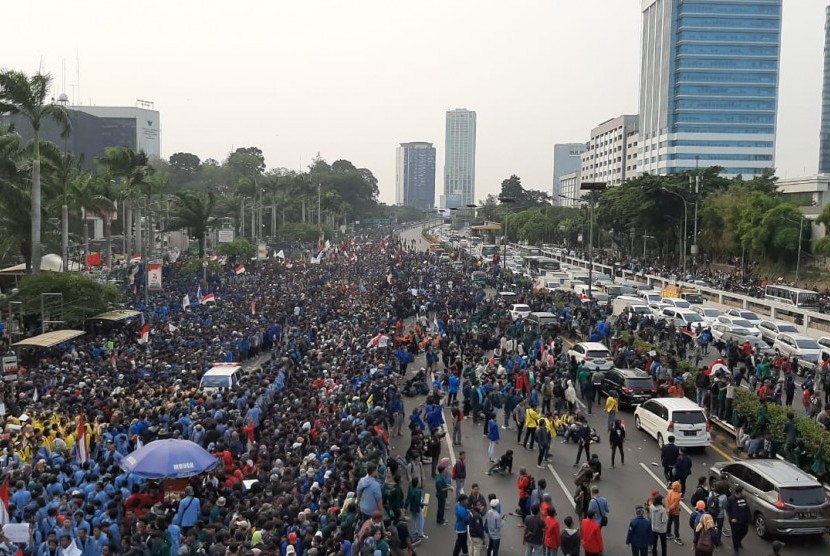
(625, 486)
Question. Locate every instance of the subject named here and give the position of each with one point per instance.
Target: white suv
(685, 318)
(770, 329)
(805, 348)
(678, 417)
(594, 354)
(708, 314)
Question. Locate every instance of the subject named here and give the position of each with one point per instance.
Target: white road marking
(662, 484)
(561, 483)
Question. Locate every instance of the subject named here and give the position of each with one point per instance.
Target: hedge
(746, 402)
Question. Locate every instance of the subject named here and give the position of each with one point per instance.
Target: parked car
(507, 297)
(708, 314)
(738, 321)
(745, 314)
(542, 320)
(594, 354)
(798, 345)
(782, 499)
(770, 329)
(824, 345)
(737, 334)
(632, 386)
(519, 310)
(678, 417)
(657, 308)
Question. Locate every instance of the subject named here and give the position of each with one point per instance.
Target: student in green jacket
(415, 505)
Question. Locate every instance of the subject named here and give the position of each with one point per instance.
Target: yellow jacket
(611, 404)
(531, 418)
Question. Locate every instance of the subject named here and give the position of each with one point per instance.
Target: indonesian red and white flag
(4, 502)
(81, 448)
(208, 298)
(240, 269)
(374, 341)
(135, 259)
(144, 334)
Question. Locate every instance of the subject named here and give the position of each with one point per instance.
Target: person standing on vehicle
(616, 439)
(639, 533)
(739, 516)
(659, 524)
(611, 407)
(668, 458)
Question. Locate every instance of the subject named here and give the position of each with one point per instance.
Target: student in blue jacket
(639, 533)
(462, 519)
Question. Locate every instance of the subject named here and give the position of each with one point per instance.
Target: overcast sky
(354, 78)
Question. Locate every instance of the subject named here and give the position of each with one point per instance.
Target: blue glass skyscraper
(824, 137)
(709, 85)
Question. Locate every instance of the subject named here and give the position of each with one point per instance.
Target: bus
(803, 299)
(487, 251)
(529, 251)
(538, 264)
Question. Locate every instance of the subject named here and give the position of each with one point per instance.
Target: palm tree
(26, 96)
(84, 196)
(193, 211)
(66, 171)
(100, 201)
(133, 168)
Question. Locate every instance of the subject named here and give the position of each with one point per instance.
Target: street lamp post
(694, 237)
(591, 187)
(685, 224)
(505, 200)
(798, 260)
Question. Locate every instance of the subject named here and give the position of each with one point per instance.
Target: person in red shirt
(523, 486)
(592, 536)
(552, 532)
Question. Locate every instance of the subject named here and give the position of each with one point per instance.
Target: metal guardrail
(810, 322)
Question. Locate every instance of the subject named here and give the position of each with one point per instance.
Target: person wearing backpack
(700, 493)
(476, 528)
(400, 539)
(706, 536)
(716, 504)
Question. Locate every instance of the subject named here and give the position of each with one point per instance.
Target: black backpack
(713, 505)
(476, 525)
(700, 494)
(531, 484)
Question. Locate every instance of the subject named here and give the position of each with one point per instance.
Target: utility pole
(319, 204)
(592, 189)
(694, 238)
(798, 260)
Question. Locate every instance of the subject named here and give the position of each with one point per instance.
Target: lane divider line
(662, 484)
(561, 483)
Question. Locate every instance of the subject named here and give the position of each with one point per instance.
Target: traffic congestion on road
(638, 472)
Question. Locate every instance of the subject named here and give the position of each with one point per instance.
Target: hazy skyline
(355, 79)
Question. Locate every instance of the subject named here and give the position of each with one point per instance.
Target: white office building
(459, 158)
(608, 158)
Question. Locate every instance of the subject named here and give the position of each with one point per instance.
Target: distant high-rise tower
(415, 175)
(460, 158)
(824, 137)
(709, 85)
(567, 158)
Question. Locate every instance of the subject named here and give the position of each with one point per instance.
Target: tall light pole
(798, 260)
(591, 188)
(694, 237)
(504, 201)
(685, 224)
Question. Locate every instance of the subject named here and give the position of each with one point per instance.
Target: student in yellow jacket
(531, 422)
(611, 407)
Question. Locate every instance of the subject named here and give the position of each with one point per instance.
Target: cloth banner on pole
(154, 276)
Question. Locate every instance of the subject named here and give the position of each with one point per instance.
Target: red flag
(4, 502)
(144, 335)
(239, 269)
(81, 449)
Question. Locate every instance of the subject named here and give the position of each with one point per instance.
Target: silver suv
(783, 499)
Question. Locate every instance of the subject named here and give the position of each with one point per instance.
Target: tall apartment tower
(415, 175)
(567, 158)
(709, 85)
(608, 158)
(460, 158)
(824, 136)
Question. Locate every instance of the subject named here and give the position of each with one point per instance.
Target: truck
(691, 295)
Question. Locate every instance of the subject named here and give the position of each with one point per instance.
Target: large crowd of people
(305, 443)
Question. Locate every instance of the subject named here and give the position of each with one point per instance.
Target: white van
(222, 376)
(651, 296)
(677, 417)
(623, 302)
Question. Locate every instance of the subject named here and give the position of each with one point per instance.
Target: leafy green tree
(133, 169)
(27, 96)
(83, 297)
(195, 212)
(239, 249)
(185, 163)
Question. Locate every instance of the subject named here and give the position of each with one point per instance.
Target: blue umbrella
(169, 459)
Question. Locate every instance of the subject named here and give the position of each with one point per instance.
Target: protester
(591, 532)
(639, 533)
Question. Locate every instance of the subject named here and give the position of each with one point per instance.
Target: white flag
(186, 301)
(280, 254)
